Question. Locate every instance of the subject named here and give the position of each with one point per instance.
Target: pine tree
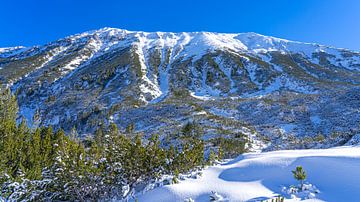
(175, 179)
(117, 154)
(8, 111)
(47, 154)
(212, 157)
(155, 159)
(59, 157)
(130, 128)
(74, 136)
(100, 136)
(300, 175)
(192, 130)
(135, 165)
(199, 150)
(220, 152)
(170, 159)
(8, 106)
(35, 156)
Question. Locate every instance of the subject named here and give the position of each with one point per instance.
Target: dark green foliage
(299, 174)
(176, 176)
(191, 130)
(230, 147)
(42, 164)
(212, 157)
(130, 128)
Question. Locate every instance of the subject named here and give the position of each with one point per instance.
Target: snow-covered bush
(216, 197)
(306, 191)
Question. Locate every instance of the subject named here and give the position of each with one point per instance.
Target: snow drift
(261, 176)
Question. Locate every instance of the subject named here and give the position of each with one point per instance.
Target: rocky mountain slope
(280, 90)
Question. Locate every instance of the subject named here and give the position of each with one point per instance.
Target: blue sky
(329, 22)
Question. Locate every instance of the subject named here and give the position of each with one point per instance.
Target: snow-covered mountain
(228, 83)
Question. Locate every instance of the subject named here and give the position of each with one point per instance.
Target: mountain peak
(114, 71)
(249, 41)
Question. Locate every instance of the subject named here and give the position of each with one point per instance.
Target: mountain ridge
(223, 33)
(127, 77)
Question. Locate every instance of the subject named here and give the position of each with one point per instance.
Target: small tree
(212, 157)
(299, 174)
(220, 152)
(175, 179)
(130, 128)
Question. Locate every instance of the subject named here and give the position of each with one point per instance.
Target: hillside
(279, 91)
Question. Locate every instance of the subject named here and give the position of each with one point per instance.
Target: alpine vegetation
(41, 164)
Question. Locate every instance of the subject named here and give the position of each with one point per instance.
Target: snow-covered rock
(307, 191)
(355, 140)
(215, 197)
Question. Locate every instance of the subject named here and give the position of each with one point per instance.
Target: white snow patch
(223, 112)
(94, 46)
(13, 50)
(315, 119)
(261, 176)
(279, 83)
(28, 113)
(200, 113)
(55, 52)
(203, 97)
(287, 128)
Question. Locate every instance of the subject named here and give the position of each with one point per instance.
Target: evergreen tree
(155, 159)
(299, 174)
(192, 130)
(34, 156)
(170, 159)
(74, 136)
(47, 147)
(50, 165)
(220, 152)
(134, 164)
(175, 179)
(100, 135)
(8, 107)
(212, 157)
(130, 128)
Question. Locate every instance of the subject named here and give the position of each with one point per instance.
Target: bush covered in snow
(305, 191)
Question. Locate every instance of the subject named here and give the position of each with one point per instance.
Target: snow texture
(333, 174)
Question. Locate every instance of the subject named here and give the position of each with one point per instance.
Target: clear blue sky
(329, 22)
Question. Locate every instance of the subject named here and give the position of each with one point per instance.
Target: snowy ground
(260, 176)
